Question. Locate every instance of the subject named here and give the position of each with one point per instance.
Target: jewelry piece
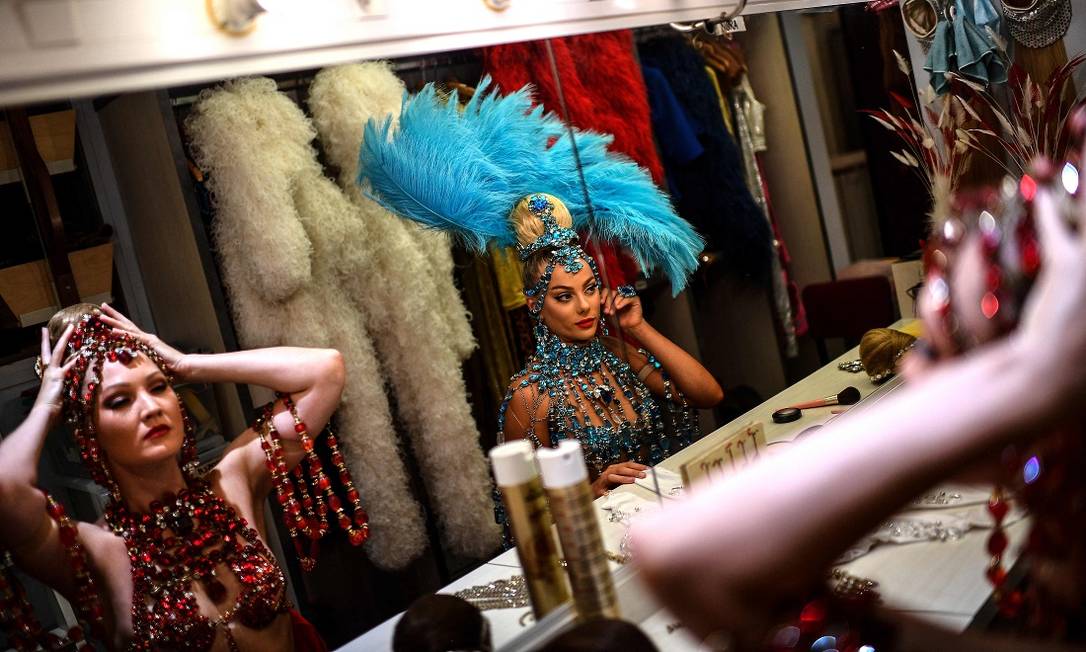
(851, 366)
(919, 530)
(39, 368)
(509, 593)
(627, 291)
(190, 539)
(853, 587)
(885, 375)
(941, 499)
(1039, 24)
(305, 510)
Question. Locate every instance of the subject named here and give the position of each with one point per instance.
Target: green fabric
(964, 46)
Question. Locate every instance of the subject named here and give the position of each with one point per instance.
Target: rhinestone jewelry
(851, 366)
(941, 499)
(509, 593)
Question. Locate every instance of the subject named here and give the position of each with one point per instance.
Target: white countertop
(939, 581)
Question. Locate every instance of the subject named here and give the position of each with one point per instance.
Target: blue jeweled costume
(463, 170)
(593, 396)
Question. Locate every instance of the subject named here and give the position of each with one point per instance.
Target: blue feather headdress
(464, 170)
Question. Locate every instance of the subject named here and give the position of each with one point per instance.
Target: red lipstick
(157, 431)
(586, 323)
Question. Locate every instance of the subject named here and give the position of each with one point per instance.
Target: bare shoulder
(526, 411)
(100, 540)
(108, 556)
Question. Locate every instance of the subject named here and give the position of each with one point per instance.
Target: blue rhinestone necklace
(593, 396)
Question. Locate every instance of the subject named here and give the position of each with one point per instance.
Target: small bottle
(517, 477)
(565, 479)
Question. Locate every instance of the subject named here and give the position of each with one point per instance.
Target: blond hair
(67, 316)
(529, 228)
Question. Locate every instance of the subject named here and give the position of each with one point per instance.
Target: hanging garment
(712, 191)
(675, 131)
(603, 91)
(276, 215)
(498, 358)
(782, 305)
(754, 113)
(389, 279)
(349, 96)
(799, 314)
(725, 110)
(509, 277)
(964, 43)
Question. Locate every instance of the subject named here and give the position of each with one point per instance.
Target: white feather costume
(414, 321)
(277, 217)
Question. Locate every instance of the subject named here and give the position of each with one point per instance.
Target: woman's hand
(616, 474)
(1052, 335)
(53, 369)
(623, 311)
(171, 357)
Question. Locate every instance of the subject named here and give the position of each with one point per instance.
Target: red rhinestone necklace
(184, 542)
(305, 504)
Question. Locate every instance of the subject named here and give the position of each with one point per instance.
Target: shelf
(55, 167)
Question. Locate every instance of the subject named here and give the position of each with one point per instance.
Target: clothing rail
(187, 95)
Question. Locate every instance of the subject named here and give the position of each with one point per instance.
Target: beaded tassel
(22, 629)
(306, 504)
(1009, 602)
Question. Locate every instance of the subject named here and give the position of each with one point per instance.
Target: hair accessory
(95, 343)
(851, 366)
(509, 593)
(880, 351)
(567, 248)
(463, 171)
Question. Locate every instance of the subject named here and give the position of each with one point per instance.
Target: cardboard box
(27, 289)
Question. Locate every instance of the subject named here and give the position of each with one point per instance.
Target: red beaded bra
(183, 543)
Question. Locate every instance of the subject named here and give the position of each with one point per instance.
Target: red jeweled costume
(184, 542)
(181, 548)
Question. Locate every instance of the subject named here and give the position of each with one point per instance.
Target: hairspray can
(565, 479)
(517, 477)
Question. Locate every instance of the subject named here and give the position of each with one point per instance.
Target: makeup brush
(846, 396)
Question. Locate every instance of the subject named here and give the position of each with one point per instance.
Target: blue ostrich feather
(463, 171)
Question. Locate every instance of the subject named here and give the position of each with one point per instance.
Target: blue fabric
(965, 47)
(676, 135)
(713, 191)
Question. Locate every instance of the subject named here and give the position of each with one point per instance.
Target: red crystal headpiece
(94, 343)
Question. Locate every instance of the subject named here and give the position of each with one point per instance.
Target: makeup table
(941, 581)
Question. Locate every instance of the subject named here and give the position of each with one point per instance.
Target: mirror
(229, 215)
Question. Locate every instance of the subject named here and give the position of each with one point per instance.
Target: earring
(94, 458)
(189, 458)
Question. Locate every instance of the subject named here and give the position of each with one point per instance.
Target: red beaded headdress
(93, 343)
